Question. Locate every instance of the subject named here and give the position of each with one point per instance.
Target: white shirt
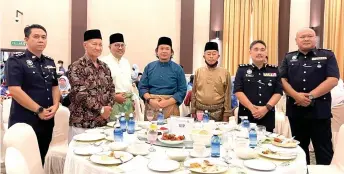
(120, 72)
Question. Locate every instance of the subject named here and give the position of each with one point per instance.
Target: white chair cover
(337, 164)
(336, 121)
(15, 162)
(22, 137)
(6, 110)
(55, 158)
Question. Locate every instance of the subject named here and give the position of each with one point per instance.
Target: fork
(118, 157)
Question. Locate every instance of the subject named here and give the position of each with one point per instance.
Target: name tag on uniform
(319, 58)
(50, 67)
(249, 75)
(269, 74)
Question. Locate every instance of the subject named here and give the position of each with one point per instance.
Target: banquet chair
(337, 164)
(22, 137)
(336, 121)
(15, 162)
(55, 158)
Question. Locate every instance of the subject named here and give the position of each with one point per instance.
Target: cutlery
(118, 157)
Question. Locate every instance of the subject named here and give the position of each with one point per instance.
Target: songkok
(164, 41)
(117, 37)
(211, 46)
(92, 34)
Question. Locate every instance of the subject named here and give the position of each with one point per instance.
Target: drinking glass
(152, 136)
(150, 115)
(261, 131)
(227, 143)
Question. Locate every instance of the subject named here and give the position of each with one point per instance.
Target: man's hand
(302, 99)
(253, 109)
(107, 111)
(260, 112)
(45, 115)
(163, 103)
(154, 103)
(120, 98)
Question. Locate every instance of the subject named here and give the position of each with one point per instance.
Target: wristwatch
(39, 110)
(269, 107)
(311, 97)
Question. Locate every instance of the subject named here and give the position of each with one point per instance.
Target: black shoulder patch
(19, 55)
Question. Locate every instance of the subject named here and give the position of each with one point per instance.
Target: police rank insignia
(29, 64)
(249, 71)
(269, 74)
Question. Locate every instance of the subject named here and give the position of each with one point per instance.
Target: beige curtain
(265, 26)
(334, 30)
(236, 34)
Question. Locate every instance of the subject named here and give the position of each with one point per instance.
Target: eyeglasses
(119, 45)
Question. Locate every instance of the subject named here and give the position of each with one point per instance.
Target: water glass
(150, 115)
(261, 131)
(227, 143)
(152, 135)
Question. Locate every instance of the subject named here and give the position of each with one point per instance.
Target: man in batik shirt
(92, 89)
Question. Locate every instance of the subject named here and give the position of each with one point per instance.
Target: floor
(2, 171)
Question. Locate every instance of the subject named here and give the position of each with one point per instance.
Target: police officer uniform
(36, 77)
(304, 73)
(259, 85)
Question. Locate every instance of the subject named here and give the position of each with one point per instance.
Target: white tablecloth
(75, 164)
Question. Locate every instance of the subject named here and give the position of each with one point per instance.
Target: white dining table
(76, 164)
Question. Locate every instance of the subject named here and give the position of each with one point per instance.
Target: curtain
(334, 30)
(236, 34)
(265, 15)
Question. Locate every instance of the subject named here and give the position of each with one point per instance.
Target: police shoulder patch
(325, 49)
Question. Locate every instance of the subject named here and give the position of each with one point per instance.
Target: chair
(4, 115)
(22, 137)
(15, 162)
(337, 164)
(55, 158)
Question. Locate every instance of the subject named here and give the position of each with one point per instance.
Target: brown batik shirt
(91, 89)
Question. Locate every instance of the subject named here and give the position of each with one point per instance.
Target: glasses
(119, 45)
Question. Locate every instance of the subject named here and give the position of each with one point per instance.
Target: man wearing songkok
(92, 89)
(121, 75)
(163, 83)
(212, 86)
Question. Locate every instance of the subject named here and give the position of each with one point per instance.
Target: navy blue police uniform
(36, 77)
(259, 85)
(305, 72)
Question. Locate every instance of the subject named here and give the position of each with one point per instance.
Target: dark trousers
(317, 130)
(44, 139)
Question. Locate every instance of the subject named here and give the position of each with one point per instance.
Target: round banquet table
(76, 164)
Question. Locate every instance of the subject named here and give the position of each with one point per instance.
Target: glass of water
(228, 143)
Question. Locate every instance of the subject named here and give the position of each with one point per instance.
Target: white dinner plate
(104, 158)
(261, 165)
(138, 151)
(163, 165)
(87, 150)
(110, 138)
(220, 165)
(95, 130)
(169, 141)
(89, 137)
(279, 155)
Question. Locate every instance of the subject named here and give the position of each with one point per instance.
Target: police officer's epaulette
(271, 66)
(48, 57)
(244, 65)
(293, 52)
(19, 55)
(324, 49)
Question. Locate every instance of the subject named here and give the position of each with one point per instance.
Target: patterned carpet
(2, 171)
